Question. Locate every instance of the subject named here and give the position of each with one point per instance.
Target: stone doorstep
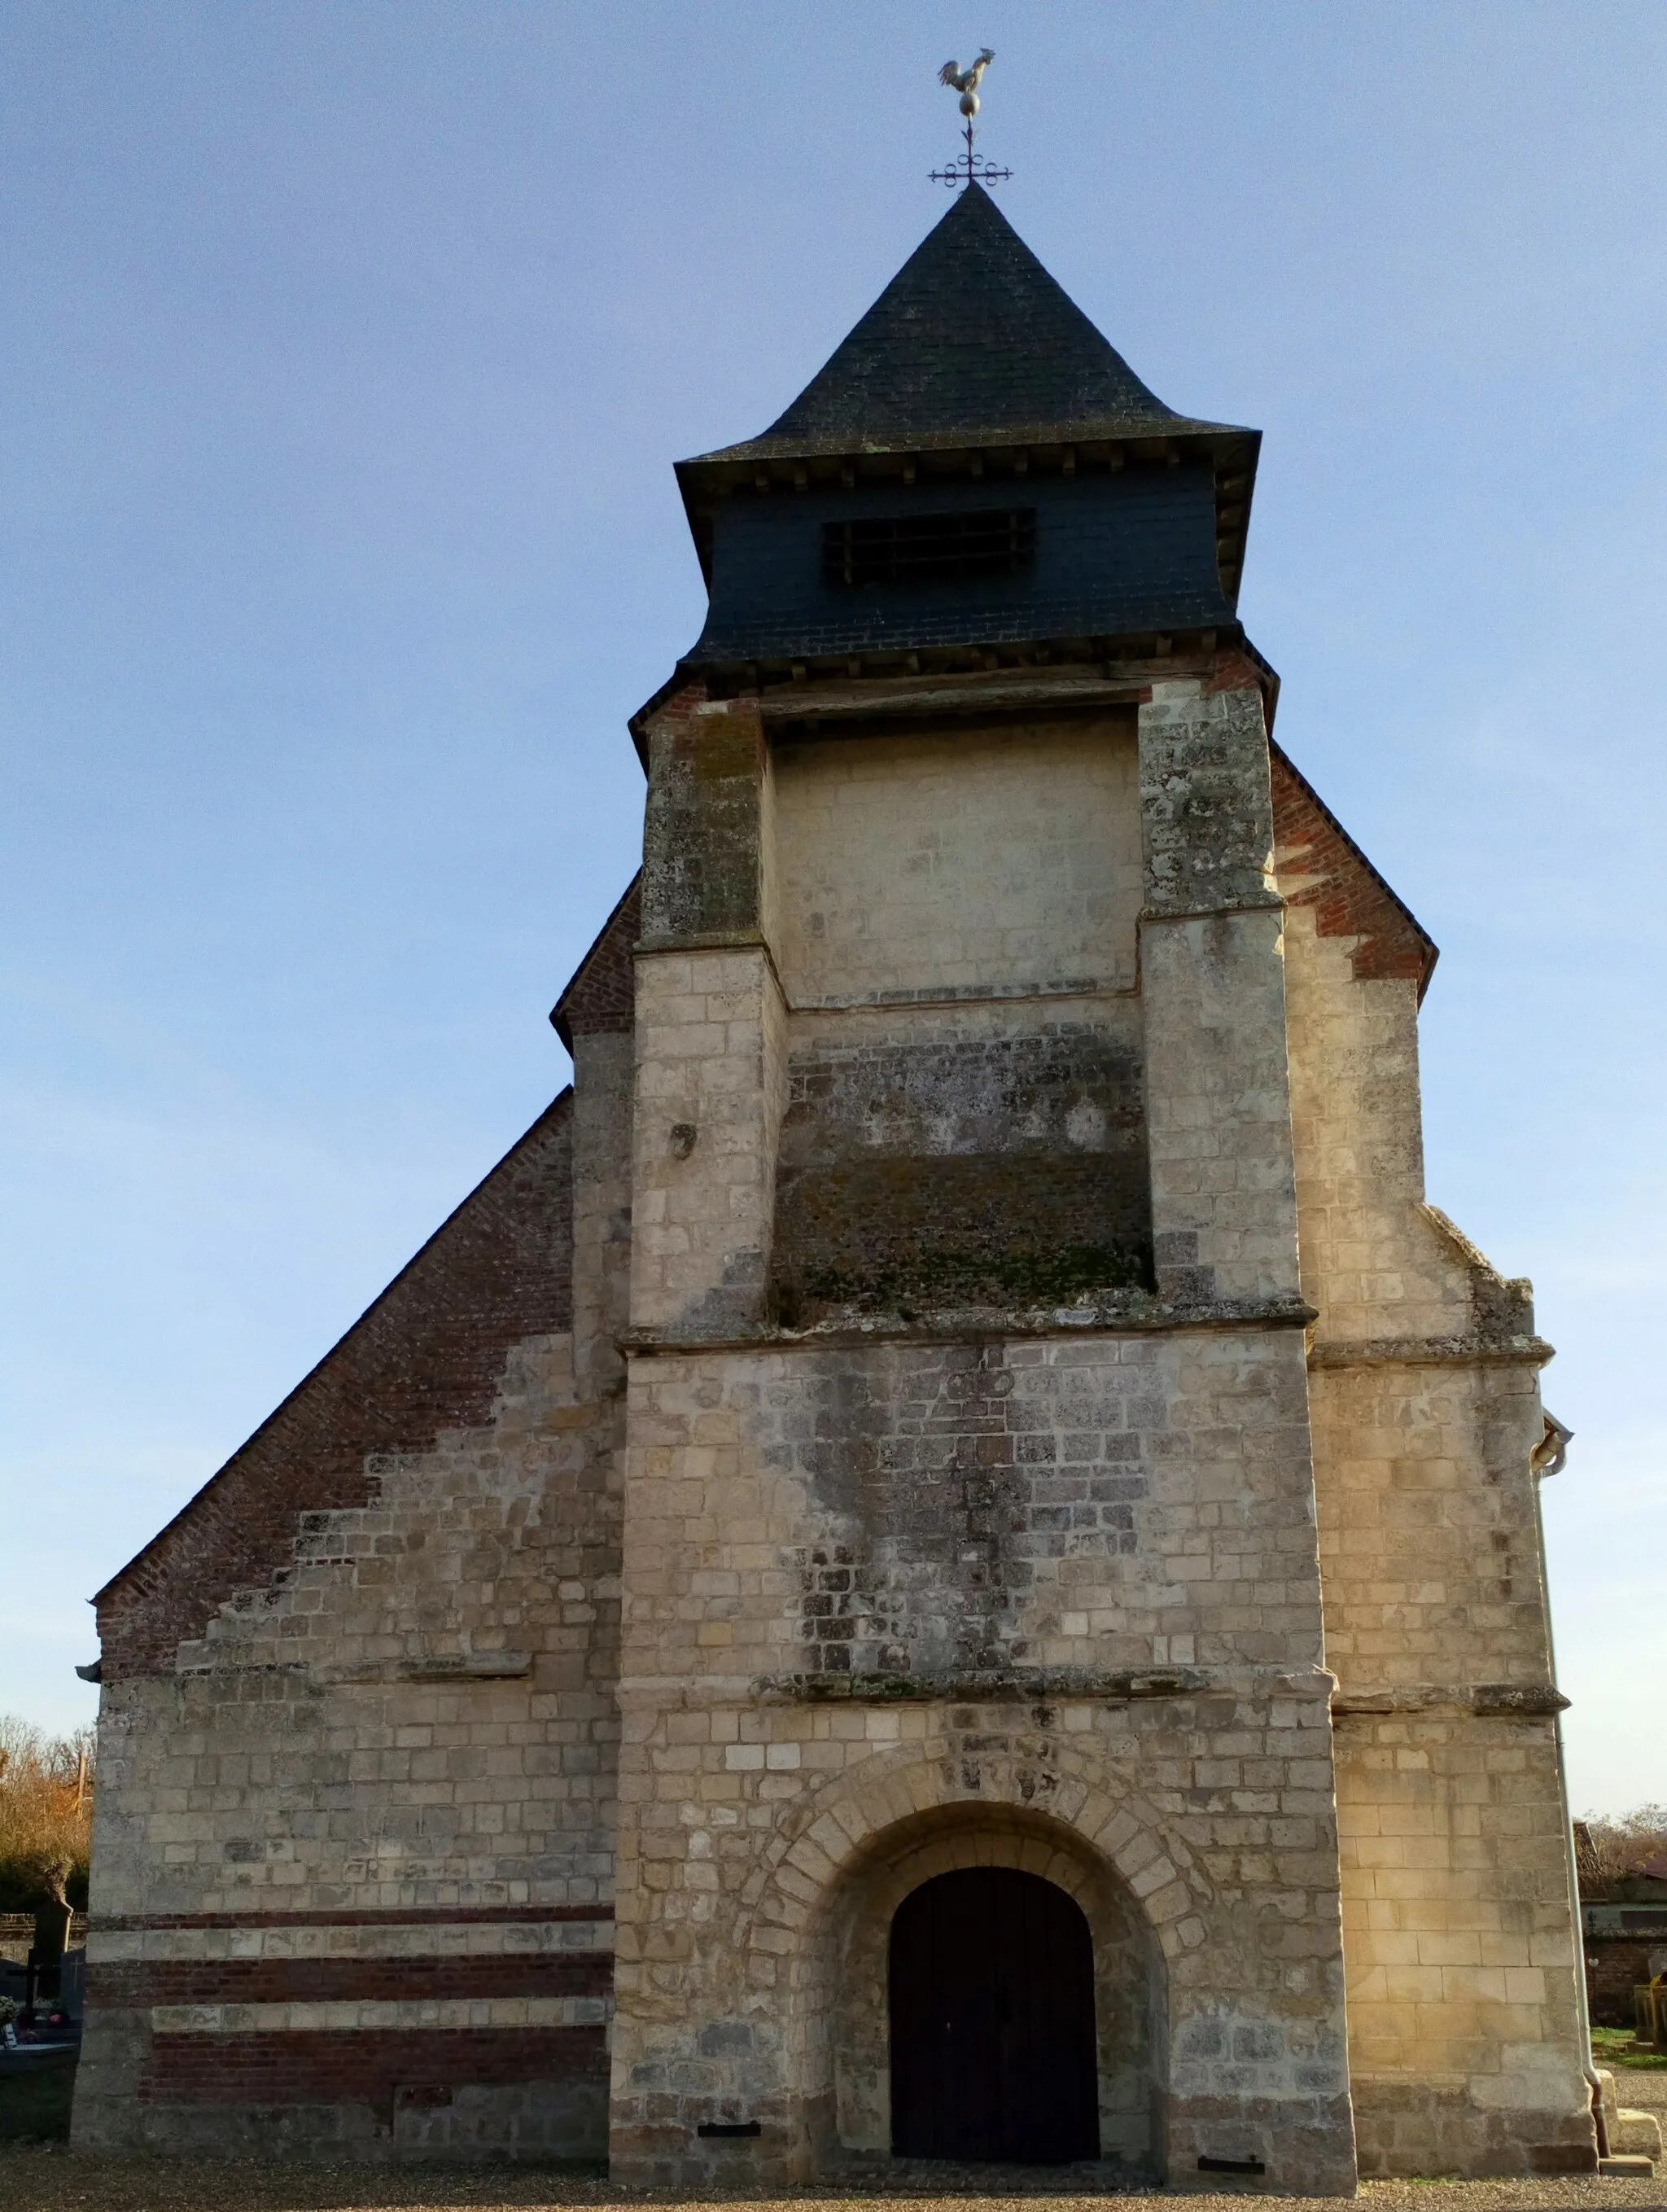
(1623, 2166)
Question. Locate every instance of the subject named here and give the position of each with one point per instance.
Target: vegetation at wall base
(1613, 2047)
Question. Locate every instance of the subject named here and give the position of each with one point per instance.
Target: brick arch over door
(818, 1931)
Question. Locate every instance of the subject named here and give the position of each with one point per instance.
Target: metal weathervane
(971, 168)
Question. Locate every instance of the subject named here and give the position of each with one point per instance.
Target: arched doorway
(992, 2027)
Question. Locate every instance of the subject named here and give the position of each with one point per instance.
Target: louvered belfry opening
(929, 549)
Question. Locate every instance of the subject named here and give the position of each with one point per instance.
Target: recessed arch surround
(819, 1934)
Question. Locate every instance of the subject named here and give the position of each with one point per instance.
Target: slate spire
(971, 342)
(975, 467)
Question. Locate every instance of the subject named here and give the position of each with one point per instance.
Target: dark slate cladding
(1113, 554)
(972, 341)
(972, 384)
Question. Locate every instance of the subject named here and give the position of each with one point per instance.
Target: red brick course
(426, 1356)
(1319, 864)
(133, 1984)
(366, 2068)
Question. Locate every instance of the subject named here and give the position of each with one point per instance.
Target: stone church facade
(951, 1485)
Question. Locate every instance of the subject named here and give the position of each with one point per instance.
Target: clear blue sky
(348, 348)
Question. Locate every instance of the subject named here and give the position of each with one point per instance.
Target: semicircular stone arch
(818, 1930)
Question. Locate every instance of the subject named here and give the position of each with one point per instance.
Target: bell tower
(969, 1513)
(951, 1494)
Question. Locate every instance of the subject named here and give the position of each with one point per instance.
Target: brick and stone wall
(428, 1355)
(969, 1378)
(353, 1843)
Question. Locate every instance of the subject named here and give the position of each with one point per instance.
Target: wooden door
(992, 2029)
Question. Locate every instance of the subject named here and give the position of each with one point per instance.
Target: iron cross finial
(971, 168)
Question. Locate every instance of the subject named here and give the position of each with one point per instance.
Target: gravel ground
(1645, 2090)
(60, 2181)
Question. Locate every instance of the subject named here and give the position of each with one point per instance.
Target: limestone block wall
(710, 1082)
(1429, 1546)
(354, 1856)
(1459, 1927)
(980, 859)
(948, 1155)
(1087, 1566)
(1463, 2025)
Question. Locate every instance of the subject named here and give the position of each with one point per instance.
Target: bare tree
(45, 1814)
(1610, 1848)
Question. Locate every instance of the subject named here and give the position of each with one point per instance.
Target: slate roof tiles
(971, 342)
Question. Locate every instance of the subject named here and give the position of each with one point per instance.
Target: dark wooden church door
(993, 2033)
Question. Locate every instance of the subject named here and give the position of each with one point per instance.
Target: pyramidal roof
(971, 342)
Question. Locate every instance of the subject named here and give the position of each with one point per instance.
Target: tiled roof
(971, 342)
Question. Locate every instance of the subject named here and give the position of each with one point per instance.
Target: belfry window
(929, 549)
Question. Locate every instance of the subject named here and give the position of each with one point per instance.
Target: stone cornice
(1430, 1351)
(1151, 1316)
(1486, 1701)
(978, 1685)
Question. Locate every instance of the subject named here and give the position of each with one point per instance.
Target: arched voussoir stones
(839, 1827)
(836, 1980)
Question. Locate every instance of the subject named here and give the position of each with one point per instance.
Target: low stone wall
(17, 1934)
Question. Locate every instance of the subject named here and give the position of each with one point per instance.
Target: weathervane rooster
(972, 168)
(966, 81)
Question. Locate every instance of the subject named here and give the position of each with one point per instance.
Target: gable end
(602, 995)
(1319, 864)
(425, 1357)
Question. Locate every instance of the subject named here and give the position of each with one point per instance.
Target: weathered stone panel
(972, 862)
(960, 1168)
(703, 843)
(711, 1070)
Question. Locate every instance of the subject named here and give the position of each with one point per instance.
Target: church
(943, 1562)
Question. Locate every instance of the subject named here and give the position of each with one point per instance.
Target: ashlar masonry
(943, 1560)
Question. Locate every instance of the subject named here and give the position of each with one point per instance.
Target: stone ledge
(1431, 1351)
(465, 1667)
(1143, 1315)
(984, 1686)
(1486, 1701)
(1034, 1685)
